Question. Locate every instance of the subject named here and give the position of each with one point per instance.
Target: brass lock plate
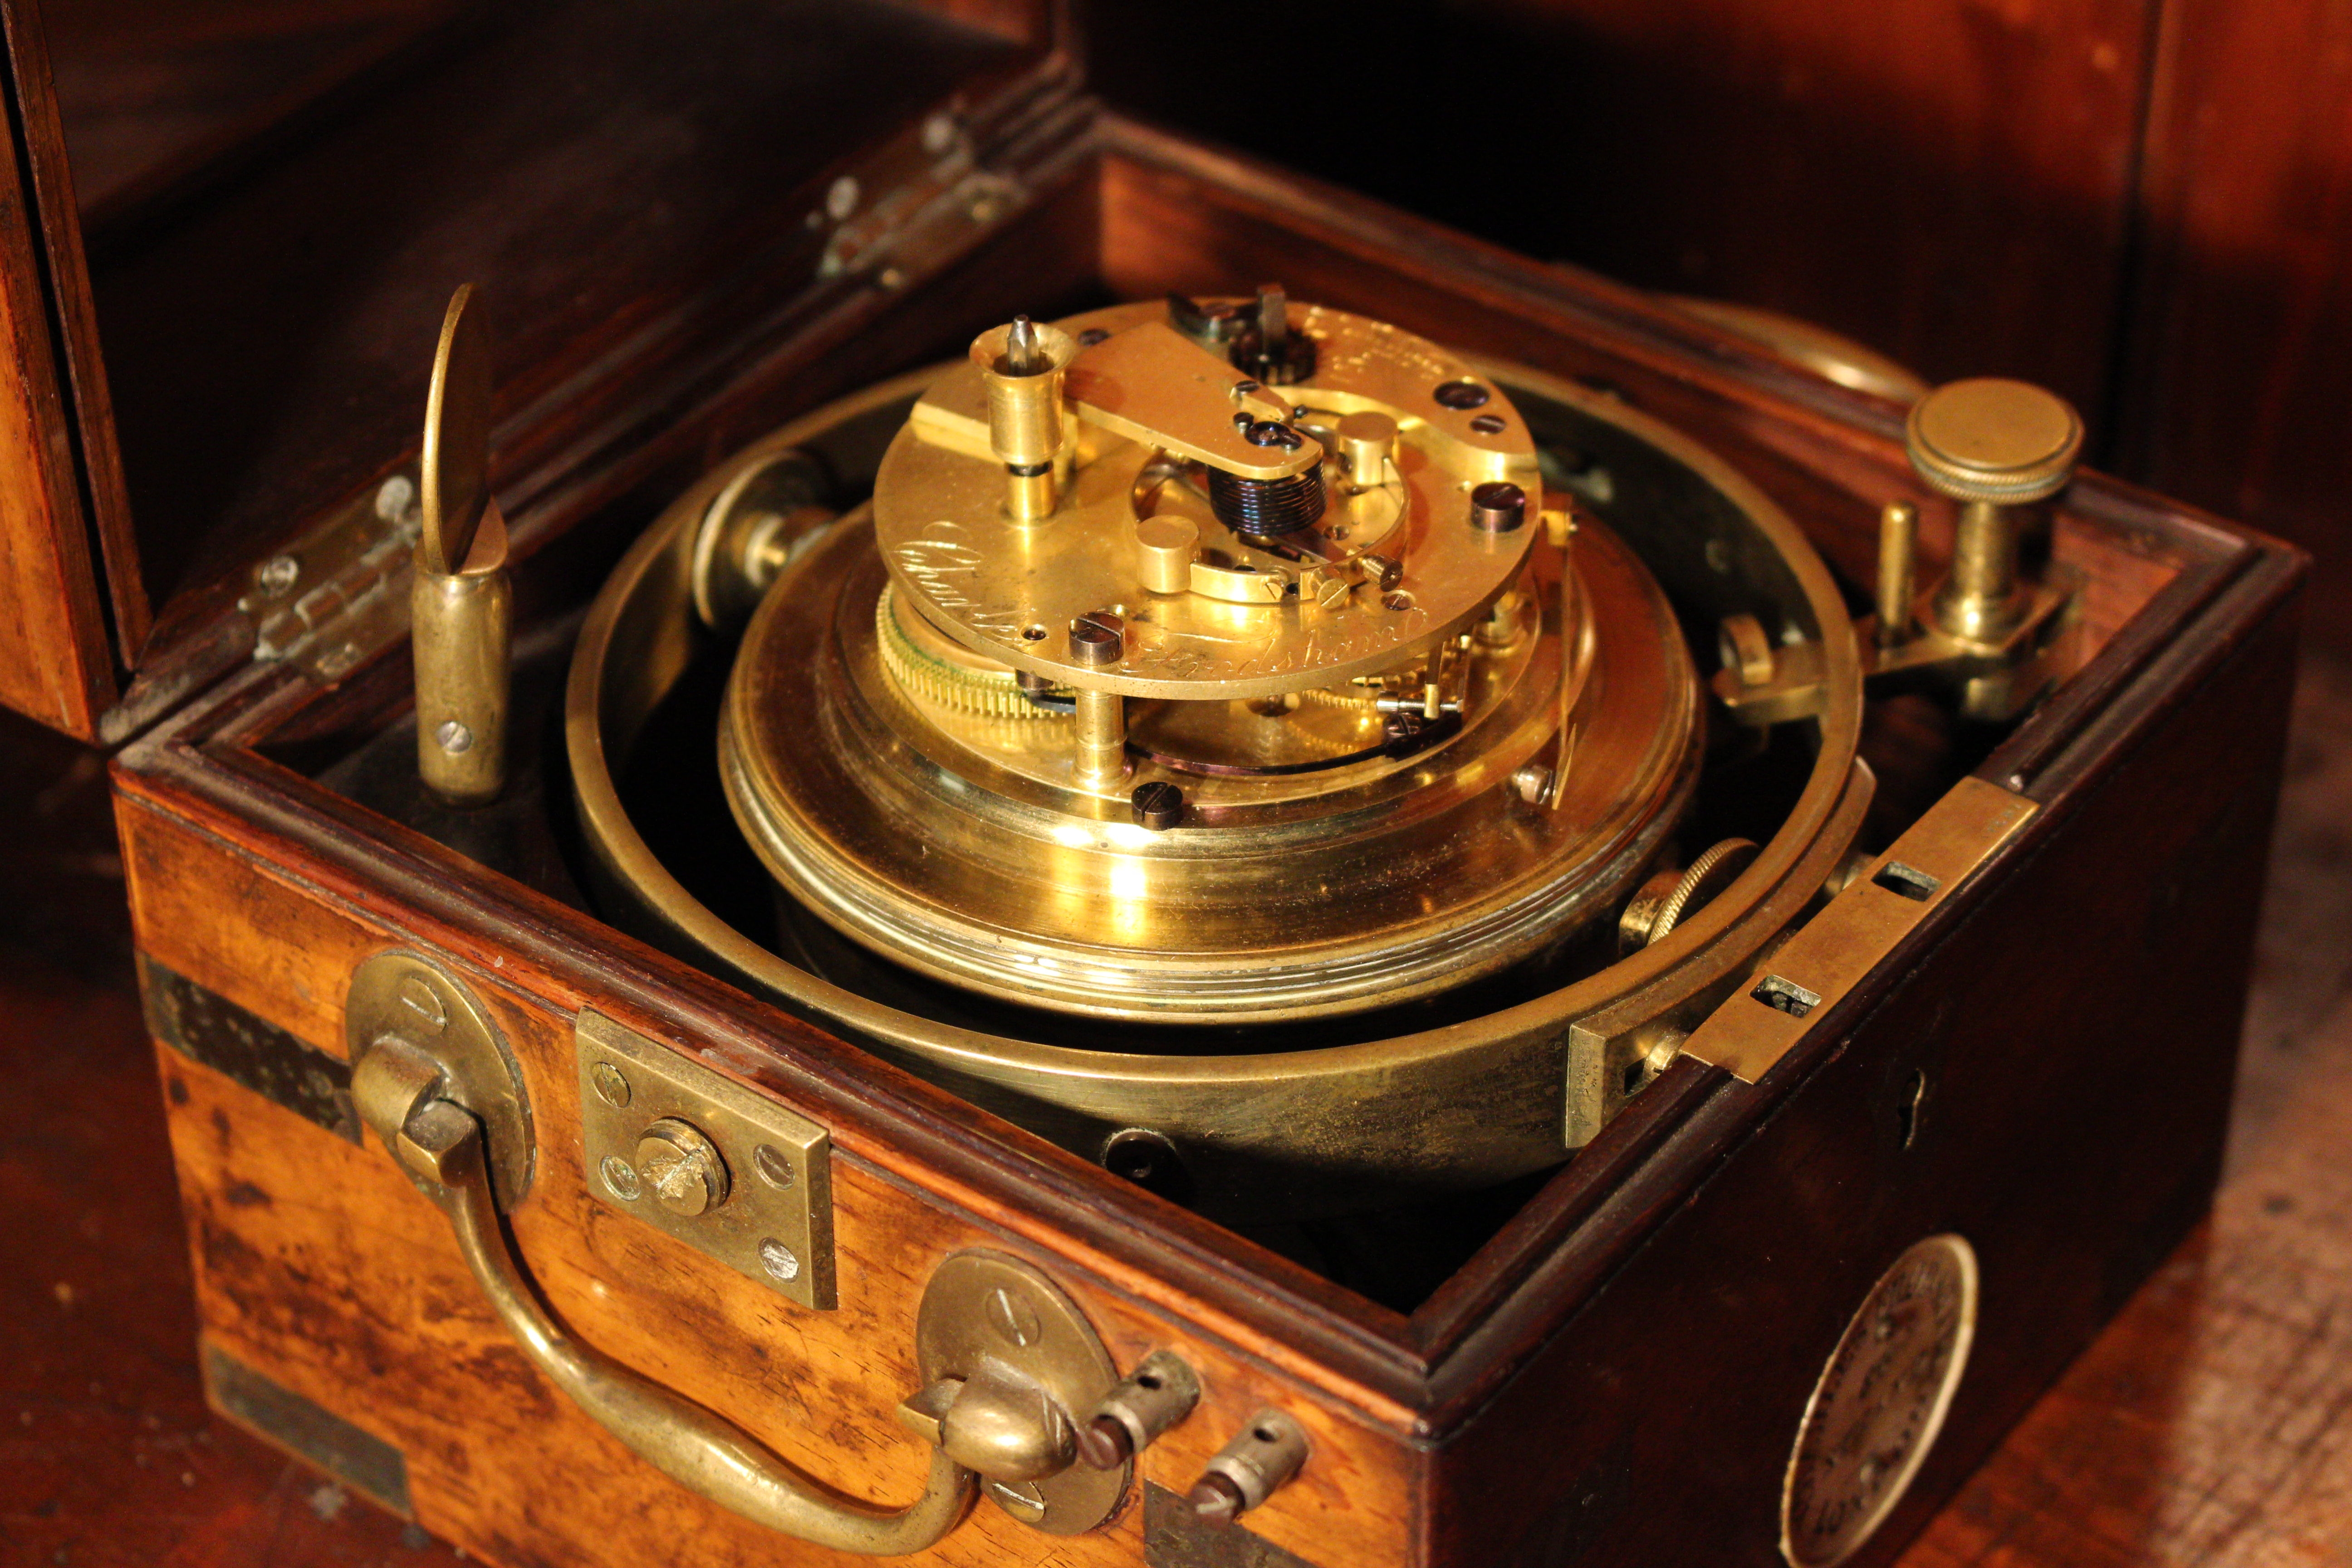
(984, 1309)
(694, 1154)
(407, 996)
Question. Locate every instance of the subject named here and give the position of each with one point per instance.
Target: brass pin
(461, 604)
(1898, 542)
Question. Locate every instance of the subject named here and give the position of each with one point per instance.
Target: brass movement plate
(1762, 1022)
(774, 1221)
(1880, 1403)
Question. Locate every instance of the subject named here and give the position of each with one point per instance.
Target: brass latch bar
(1762, 1021)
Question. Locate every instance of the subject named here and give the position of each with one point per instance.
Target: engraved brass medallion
(1880, 1403)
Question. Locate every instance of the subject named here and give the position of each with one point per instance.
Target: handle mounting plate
(775, 1222)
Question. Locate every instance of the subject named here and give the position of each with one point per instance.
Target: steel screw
(612, 1087)
(621, 1178)
(779, 1261)
(1499, 507)
(774, 1168)
(1158, 805)
(278, 574)
(1533, 781)
(454, 737)
(394, 497)
(1461, 394)
(1099, 637)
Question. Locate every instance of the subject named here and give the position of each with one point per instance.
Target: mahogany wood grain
(57, 662)
(2242, 354)
(2205, 1429)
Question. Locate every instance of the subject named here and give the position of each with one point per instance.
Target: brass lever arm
(401, 1093)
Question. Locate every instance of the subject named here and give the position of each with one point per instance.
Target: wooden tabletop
(2208, 1426)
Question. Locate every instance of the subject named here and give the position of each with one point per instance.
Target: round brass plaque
(1880, 1402)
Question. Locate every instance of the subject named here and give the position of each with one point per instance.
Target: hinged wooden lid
(230, 230)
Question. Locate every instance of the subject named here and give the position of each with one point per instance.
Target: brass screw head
(681, 1167)
(1991, 439)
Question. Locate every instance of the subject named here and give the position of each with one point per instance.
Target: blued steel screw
(1461, 394)
(1499, 507)
(1158, 804)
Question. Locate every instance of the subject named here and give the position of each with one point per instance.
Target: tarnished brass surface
(425, 1118)
(1027, 1366)
(461, 606)
(1998, 449)
(401, 996)
(757, 1177)
(1281, 1118)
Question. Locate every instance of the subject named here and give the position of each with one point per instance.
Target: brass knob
(682, 1167)
(1995, 447)
(1990, 440)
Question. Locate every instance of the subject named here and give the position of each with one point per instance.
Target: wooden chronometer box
(694, 221)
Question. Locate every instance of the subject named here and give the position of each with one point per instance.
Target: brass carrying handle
(404, 1094)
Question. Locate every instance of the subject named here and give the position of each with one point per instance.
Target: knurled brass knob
(1990, 440)
(681, 1167)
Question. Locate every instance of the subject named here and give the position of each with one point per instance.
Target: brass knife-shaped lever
(462, 606)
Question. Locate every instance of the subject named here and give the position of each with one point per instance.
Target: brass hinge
(333, 597)
(922, 197)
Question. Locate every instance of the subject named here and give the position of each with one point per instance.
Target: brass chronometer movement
(1264, 750)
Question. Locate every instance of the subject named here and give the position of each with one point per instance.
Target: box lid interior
(247, 218)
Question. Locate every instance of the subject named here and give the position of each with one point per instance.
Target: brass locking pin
(1256, 1464)
(1139, 1408)
(461, 606)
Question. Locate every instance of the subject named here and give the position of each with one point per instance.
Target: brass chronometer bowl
(1324, 986)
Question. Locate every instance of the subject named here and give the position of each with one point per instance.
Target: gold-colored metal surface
(405, 1094)
(406, 997)
(1880, 1403)
(1998, 449)
(1758, 1025)
(464, 652)
(1461, 1090)
(1670, 895)
(1028, 1365)
(1007, 587)
(460, 604)
(1990, 440)
(698, 1156)
(456, 463)
(1035, 889)
(1899, 548)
